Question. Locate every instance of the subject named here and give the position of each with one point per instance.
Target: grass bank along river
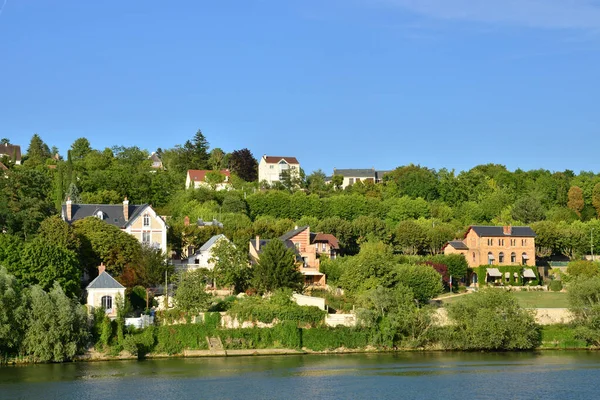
(422, 375)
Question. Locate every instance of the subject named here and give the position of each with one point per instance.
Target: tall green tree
(244, 165)
(57, 327)
(45, 264)
(596, 198)
(80, 148)
(191, 295)
(491, 320)
(576, 202)
(12, 314)
(38, 151)
(231, 268)
(276, 269)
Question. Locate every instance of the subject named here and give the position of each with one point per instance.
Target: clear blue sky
(337, 83)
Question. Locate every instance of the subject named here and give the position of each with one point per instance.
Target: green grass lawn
(542, 299)
(530, 299)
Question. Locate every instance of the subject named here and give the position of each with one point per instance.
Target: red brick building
(496, 245)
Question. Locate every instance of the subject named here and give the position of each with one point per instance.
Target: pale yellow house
(140, 221)
(103, 292)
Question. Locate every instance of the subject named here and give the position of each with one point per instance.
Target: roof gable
(327, 238)
(105, 281)
(11, 150)
(112, 213)
(291, 234)
(277, 159)
(212, 241)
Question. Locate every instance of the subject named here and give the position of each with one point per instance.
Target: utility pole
(592, 243)
(166, 293)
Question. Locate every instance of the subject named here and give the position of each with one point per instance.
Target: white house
(103, 291)
(270, 168)
(352, 176)
(201, 258)
(196, 178)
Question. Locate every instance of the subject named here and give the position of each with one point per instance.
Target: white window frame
(146, 220)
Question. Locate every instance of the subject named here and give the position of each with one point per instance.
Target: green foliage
(278, 307)
(584, 301)
(45, 264)
(12, 313)
(372, 267)
(555, 285)
(321, 339)
(56, 326)
(491, 320)
(583, 269)
(191, 295)
(139, 343)
(212, 319)
(231, 267)
(423, 280)
(276, 269)
(173, 339)
(102, 242)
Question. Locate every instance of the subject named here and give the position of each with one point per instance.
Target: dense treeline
(415, 210)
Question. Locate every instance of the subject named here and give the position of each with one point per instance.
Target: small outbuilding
(103, 291)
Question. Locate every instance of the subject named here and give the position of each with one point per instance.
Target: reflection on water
(548, 375)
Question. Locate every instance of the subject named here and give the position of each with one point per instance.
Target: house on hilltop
(156, 161)
(197, 178)
(140, 221)
(12, 152)
(309, 249)
(272, 168)
(352, 176)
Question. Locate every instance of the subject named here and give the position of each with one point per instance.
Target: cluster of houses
(494, 246)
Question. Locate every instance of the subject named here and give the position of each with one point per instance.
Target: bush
(175, 338)
(279, 307)
(555, 286)
(320, 339)
(491, 320)
(139, 343)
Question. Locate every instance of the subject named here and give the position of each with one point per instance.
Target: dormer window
(146, 220)
(100, 215)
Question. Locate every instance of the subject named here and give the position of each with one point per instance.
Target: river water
(546, 375)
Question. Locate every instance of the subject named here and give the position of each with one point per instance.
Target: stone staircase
(214, 344)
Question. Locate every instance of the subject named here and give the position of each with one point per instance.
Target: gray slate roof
(104, 281)
(212, 241)
(9, 150)
(263, 242)
(356, 173)
(214, 222)
(113, 213)
(291, 234)
(498, 231)
(458, 245)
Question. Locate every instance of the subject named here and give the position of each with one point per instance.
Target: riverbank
(194, 341)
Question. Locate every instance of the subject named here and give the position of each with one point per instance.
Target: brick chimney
(69, 208)
(126, 209)
(186, 221)
(507, 230)
(257, 244)
(101, 268)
